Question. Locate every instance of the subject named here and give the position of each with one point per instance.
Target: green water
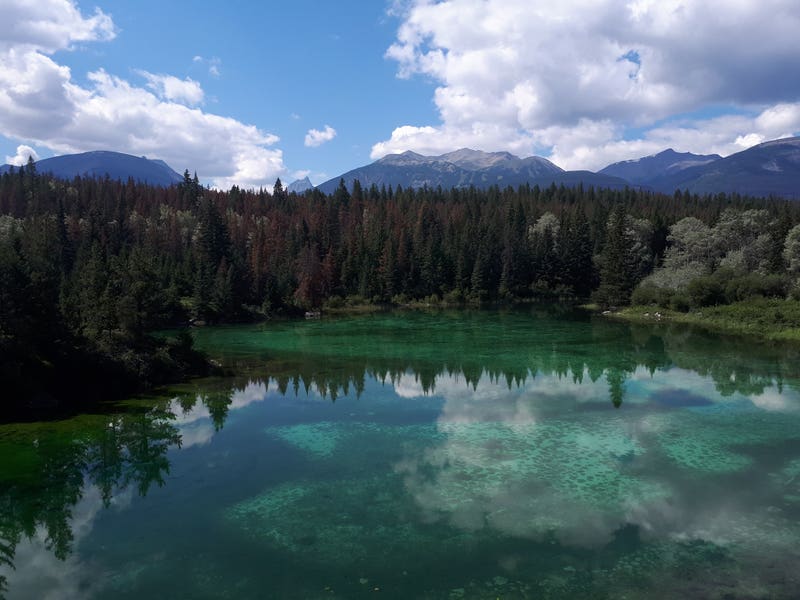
(536, 453)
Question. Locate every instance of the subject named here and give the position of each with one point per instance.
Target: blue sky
(244, 92)
(285, 67)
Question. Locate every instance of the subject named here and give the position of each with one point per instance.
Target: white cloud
(775, 399)
(488, 470)
(213, 64)
(167, 87)
(407, 385)
(41, 103)
(593, 145)
(42, 574)
(50, 25)
(315, 137)
(573, 78)
(21, 158)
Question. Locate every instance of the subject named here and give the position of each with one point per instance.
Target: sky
(245, 92)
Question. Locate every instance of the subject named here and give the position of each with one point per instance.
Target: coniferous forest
(89, 268)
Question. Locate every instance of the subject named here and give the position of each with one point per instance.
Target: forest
(90, 268)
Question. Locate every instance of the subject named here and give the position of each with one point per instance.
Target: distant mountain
(768, 169)
(114, 164)
(408, 169)
(466, 167)
(642, 171)
(300, 185)
(771, 168)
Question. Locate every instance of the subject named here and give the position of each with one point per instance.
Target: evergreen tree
(616, 283)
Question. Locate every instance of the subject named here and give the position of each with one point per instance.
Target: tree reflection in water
(49, 467)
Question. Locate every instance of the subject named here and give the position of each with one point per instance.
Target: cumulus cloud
(487, 469)
(47, 576)
(21, 158)
(315, 137)
(573, 79)
(40, 102)
(50, 25)
(594, 145)
(168, 87)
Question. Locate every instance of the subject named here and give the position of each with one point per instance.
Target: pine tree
(615, 281)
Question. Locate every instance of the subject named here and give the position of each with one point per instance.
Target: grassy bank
(764, 318)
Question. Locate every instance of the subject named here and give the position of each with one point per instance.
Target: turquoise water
(536, 453)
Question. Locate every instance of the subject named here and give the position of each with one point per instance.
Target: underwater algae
(472, 456)
(573, 482)
(508, 475)
(711, 439)
(319, 439)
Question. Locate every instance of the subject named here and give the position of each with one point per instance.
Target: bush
(355, 300)
(651, 295)
(794, 290)
(705, 291)
(334, 302)
(455, 296)
(680, 301)
(754, 285)
(721, 287)
(400, 299)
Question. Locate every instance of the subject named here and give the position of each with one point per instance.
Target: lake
(538, 452)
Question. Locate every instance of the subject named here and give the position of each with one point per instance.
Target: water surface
(536, 453)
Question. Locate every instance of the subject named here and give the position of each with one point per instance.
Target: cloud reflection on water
(47, 577)
(531, 460)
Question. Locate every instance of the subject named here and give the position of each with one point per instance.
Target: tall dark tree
(616, 282)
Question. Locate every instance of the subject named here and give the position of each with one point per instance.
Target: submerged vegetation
(525, 452)
(89, 267)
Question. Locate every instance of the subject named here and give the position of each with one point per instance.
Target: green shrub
(334, 302)
(794, 290)
(455, 296)
(651, 295)
(680, 301)
(755, 285)
(705, 291)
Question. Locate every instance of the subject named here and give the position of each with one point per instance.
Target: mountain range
(466, 167)
(646, 170)
(768, 169)
(114, 164)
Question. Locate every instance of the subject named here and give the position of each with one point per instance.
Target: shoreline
(763, 319)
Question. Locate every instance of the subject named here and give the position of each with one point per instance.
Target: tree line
(88, 267)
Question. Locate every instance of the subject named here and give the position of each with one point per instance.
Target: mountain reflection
(498, 382)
